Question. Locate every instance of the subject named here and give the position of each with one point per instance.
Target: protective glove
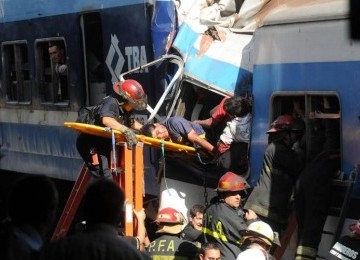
(130, 136)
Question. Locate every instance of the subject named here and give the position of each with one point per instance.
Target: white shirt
(237, 130)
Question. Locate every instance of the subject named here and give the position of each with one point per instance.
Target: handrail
(173, 59)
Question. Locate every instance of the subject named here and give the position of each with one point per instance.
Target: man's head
(260, 233)
(169, 221)
(155, 130)
(132, 92)
(238, 106)
(56, 53)
(103, 203)
(287, 128)
(196, 216)
(210, 251)
(34, 200)
(232, 188)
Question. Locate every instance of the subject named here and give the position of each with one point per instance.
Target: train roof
(295, 11)
(17, 10)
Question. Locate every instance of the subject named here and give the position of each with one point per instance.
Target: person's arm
(141, 229)
(114, 124)
(205, 123)
(194, 138)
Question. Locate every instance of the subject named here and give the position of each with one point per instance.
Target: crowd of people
(240, 222)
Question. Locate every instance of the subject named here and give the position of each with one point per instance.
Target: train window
(321, 115)
(52, 71)
(16, 72)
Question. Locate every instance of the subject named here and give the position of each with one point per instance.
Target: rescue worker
(169, 245)
(103, 210)
(348, 247)
(179, 130)
(232, 146)
(116, 112)
(270, 198)
(224, 218)
(258, 238)
(32, 206)
(314, 186)
(192, 230)
(231, 118)
(210, 251)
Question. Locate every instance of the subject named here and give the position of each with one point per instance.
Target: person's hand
(61, 69)
(250, 214)
(140, 214)
(130, 136)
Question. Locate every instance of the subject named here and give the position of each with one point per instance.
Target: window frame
(44, 69)
(274, 111)
(23, 84)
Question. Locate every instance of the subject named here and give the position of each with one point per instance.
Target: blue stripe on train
(218, 74)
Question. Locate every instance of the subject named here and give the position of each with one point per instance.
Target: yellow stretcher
(153, 142)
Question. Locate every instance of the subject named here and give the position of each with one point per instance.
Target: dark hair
(209, 246)
(238, 106)
(147, 129)
(58, 44)
(33, 200)
(103, 203)
(197, 208)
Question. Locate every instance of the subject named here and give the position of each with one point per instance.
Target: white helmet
(263, 231)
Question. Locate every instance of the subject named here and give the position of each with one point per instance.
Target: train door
(91, 27)
(320, 113)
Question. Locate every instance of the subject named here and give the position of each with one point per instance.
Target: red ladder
(129, 177)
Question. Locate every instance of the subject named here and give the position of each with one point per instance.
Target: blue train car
(99, 40)
(311, 55)
(297, 53)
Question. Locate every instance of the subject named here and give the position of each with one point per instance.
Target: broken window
(16, 72)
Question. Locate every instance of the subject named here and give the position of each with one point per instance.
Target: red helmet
(232, 182)
(355, 228)
(286, 123)
(169, 215)
(133, 92)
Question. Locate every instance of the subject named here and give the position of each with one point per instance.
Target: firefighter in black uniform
(224, 218)
(313, 189)
(270, 198)
(169, 245)
(115, 111)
